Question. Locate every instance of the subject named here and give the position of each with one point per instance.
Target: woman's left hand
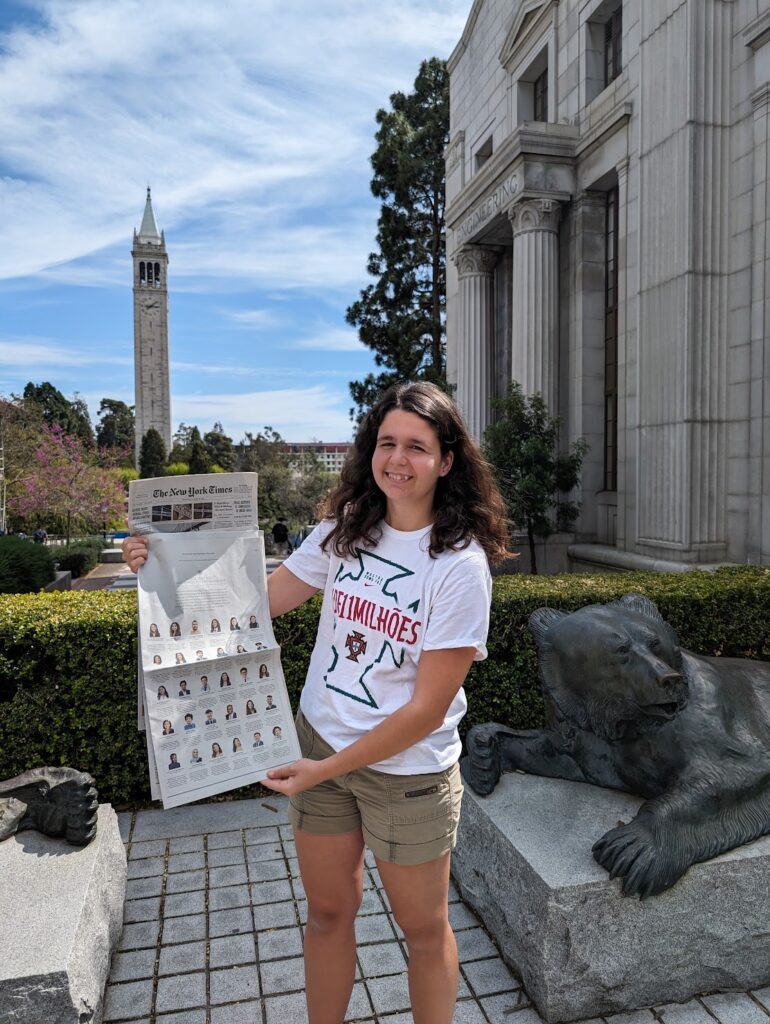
(295, 778)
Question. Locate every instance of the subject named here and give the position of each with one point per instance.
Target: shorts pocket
(305, 735)
(417, 798)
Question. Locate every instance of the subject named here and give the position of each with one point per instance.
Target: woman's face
(167, 726)
(215, 625)
(407, 462)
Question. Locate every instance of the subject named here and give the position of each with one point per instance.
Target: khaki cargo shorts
(405, 819)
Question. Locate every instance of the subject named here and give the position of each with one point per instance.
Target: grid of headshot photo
(186, 640)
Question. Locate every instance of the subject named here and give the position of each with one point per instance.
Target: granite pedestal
(523, 862)
(61, 912)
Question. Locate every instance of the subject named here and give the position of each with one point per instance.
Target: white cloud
(33, 356)
(297, 414)
(332, 339)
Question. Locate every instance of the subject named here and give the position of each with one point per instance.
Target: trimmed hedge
(24, 566)
(78, 560)
(68, 661)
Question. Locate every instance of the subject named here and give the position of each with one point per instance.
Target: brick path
(212, 935)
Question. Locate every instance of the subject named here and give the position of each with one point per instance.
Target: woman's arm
(286, 591)
(440, 674)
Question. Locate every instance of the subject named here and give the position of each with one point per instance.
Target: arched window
(157, 275)
(142, 278)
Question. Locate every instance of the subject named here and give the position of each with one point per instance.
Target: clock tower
(151, 388)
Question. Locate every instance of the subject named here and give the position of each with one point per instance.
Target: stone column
(535, 326)
(475, 269)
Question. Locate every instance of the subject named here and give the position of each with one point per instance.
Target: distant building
(151, 380)
(331, 455)
(608, 234)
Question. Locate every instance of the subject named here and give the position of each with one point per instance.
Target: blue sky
(253, 121)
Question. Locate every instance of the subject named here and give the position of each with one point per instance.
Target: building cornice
(470, 24)
(518, 42)
(600, 128)
(757, 32)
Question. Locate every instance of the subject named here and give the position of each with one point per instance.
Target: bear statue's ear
(640, 604)
(541, 620)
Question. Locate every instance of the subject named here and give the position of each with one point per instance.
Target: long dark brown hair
(467, 504)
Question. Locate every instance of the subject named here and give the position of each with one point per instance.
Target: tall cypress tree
(401, 315)
(152, 455)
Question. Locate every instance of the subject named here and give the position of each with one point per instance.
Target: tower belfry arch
(151, 374)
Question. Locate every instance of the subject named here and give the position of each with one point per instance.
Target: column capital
(474, 259)
(621, 169)
(535, 215)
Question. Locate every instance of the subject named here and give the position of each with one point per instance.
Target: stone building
(151, 384)
(608, 239)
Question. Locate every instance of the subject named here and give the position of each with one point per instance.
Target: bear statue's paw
(630, 852)
(481, 768)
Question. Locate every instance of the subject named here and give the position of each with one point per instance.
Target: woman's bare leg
(419, 896)
(332, 872)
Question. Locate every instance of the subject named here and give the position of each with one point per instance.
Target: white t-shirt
(381, 610)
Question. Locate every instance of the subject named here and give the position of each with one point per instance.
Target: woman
(236, 745)
(263, 672)
(168, 729)
(276, 733)
(253, 624)
(162, 693)
(414, 520)
(215, 627)
(224, 680)
(154, 631)
(156, 659)
(180, 658)
(174, 630)
(234, 623)
(216, 750)
(241, 649)
(250, 708)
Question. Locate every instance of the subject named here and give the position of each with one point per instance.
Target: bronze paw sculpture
(630, 710)
(55, 801)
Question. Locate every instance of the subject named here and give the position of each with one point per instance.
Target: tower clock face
(150, 303)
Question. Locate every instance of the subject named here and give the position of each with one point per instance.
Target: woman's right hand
(134, 552)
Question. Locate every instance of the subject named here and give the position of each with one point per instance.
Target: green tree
(152, 455)
(219, 447)
(116, 427)
(181, 447)
(72, 416)
(401, 315)
(200, 460)
(534, 476)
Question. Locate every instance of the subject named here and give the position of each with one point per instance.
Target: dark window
(613, 54)
(157, 275)
(611, 344)
(540, 97)
(142, 278)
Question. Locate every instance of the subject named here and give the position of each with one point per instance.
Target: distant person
(40, 536)
(281, 537)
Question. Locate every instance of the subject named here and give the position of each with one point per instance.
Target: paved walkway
(212, 935)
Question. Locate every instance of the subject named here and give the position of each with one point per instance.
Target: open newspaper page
(216, 710)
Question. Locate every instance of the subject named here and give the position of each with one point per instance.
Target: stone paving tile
(130, 1000)
(197, 820)
(261, 854)
(219, 858)
(232, 949)
(474, 944)
(298, 889)
(234, 984)
(371, 903)
(684, 1013)
(359, 1007)
(186, 844)
(632, 1017)
(230, 922)
(180, 992)
(141, 910)
(489, 976)
(268, 871)
(156, 848)
(735, 1008)
(194, 927)
(389, 994)
(236, 1013)
(124, 825)
(270, 892)
(274, 915)
(280, 942)
(226, 840)
(140, 935)
(302, 911)
(763, 995)
(228, 897)
(262, 835)
(234, 874)
(506, 1008)
(287, 975)
(286, 1009)
(184, 903)
(461, 917)
(138, 888)
(145, 868)
(381, 958)
(185, 1017)
(186, 881)
(186, 862)
(466, 1012)
(132, 966)
(374, 928)
(289, 848)
(182, 957)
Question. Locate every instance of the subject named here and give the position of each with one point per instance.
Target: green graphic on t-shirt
(368, 700)
(380, 571)
(414, 605)
(386, 646)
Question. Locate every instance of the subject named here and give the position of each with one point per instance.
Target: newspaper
(212, 699)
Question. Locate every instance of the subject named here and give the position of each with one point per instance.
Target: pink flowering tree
(66, 483)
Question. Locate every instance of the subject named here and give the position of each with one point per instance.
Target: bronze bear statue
(54, 801)
(630, 710)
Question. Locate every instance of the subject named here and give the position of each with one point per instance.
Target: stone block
(523, 862)
(61, 909)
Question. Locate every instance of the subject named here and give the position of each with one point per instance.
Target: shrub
(24, 566)
(68, 661)
(78, 560)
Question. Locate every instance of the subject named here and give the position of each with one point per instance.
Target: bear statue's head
(614, 669)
